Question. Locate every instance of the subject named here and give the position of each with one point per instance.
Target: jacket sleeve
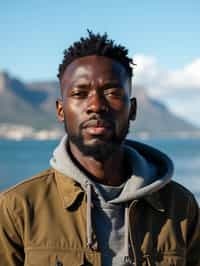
(11, 244)
(193, 251)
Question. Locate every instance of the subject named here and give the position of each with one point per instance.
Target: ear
(133, 110)
(59, 109)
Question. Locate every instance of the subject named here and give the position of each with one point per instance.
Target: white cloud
(187, 78)
(147, 72)
(180, 88)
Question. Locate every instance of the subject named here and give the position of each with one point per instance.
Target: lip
(97, 123)
(97, 127)
(97, 130)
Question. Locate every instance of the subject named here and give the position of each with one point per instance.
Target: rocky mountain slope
(33, 105)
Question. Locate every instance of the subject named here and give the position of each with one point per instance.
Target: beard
(99, 151)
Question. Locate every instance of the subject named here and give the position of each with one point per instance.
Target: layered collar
(69, 191)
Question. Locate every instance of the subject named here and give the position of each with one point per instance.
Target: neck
(108, 172)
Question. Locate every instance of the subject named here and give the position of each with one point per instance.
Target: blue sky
(35, 33)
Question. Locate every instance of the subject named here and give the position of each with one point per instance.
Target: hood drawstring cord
(148, 259)
(127, 258)
(89, 216)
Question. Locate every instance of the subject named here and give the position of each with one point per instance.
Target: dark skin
(96, 95)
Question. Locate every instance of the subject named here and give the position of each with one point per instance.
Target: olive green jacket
(43, 223)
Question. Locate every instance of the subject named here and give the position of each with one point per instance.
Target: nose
(96, 103)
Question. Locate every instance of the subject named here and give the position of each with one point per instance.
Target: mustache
(97, 121)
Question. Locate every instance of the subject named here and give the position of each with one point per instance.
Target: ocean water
(22, 159)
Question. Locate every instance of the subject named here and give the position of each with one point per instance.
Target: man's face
(95, 106)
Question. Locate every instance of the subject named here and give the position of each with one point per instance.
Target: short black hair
(96, 44)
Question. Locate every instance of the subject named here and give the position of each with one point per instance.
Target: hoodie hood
(150, 169)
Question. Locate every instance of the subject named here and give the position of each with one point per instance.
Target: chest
(54, 237)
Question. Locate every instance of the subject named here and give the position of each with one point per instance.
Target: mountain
(154, 118)
(33, 105)
(20, 104)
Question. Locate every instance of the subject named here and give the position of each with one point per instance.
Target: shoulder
(178, 191)
(29, 188)
(178, 199)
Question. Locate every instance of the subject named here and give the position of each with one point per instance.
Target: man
(104, 201)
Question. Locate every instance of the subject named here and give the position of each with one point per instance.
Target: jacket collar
(155, 201)
(68, 189)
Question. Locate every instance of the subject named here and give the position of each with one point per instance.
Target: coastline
(23, 132)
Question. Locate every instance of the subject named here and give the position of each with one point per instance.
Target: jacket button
(59, 263)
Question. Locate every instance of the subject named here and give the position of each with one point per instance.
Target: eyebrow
(113, 83)
(83, 84)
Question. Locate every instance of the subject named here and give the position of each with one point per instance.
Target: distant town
(28, 112)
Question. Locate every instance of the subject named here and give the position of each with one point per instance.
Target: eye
(79, 93)
(114, 92)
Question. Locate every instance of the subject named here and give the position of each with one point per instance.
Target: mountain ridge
(33, 104)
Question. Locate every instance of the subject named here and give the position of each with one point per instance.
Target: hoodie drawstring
(89, 216)
(147, 259)
(127, 258)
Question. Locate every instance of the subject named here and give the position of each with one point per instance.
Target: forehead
(94, 68)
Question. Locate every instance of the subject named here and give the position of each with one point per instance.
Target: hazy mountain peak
(4, 81)
(34, 105)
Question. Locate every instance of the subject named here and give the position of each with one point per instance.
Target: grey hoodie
(150, 171)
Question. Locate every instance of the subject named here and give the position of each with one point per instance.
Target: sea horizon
(21, 159)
